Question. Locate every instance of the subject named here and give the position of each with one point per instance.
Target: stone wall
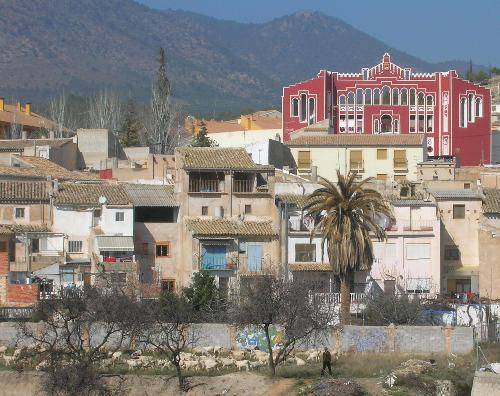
(371, 339)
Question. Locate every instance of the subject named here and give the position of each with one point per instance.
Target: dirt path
(372, 385)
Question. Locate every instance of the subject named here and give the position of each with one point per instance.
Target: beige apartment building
(384, 157)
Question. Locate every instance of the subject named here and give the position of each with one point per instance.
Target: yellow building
(385, 157)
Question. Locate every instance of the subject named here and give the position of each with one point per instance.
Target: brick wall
(22, 295)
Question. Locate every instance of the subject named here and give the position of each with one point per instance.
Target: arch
(404, 97)
(396, 126)
(430, 100)
(421, 99)
(479, 107)
(368, 96)
(463, 111)
(350, 98)
(413, 96)
(395, 96)
(359, 96)
(376, 126)
(303, 107)
(342, 100)
(386, 123)
(295, 107)
(312, 111)
(376, 96)
(386, 95)
(470, 113)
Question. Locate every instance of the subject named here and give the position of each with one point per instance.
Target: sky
(434, 30)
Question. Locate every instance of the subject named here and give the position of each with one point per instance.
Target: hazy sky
(434, 30)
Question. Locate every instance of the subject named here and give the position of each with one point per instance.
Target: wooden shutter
(381, 154)
(400, 155)
(356, 159)
(304, 159)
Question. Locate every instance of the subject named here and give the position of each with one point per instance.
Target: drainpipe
(231, 174)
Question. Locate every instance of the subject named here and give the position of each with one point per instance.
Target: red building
(453, 113)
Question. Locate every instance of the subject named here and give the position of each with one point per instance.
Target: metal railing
(357, 166)
(205, 185)
(417, 225)
(217, 263)
(334, 298)
(243, 186)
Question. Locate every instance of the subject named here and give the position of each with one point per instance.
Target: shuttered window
(400, 158)
(356, 159)
(304, 159)
(381, 154)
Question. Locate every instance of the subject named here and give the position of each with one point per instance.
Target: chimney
(2, 104)
(314, 173)
(27, 108)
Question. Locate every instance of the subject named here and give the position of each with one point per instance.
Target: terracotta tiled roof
(219, 158)
(492, 200)
(455, 194)
(6, 229)
(20, 191)
(359, 140)
(230, 227)
(20, 144)
(148, 195)
(297, 200)
(85, 194)
(310, 267)
(41, 168)
(12, 115)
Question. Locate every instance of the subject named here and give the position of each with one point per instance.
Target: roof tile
(230, 227)
(359, 140)
(492, 200)
(20, 191)
(83, 194)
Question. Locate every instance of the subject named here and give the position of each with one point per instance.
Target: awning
(463, 271)
(115, 243)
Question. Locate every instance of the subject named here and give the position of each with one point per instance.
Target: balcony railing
(417, 225)
(334, 298)
(206, 185)
(400, 165)
(301, 224)
(217, 263)
(243, 186)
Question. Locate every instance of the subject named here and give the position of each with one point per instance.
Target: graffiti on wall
(253, 337)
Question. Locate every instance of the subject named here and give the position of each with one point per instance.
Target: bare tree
(165, 130)
(15, 129)
(58, 114)
(399, 309)
(105, 111)
(79, 329)
(269, 301)
(168, 328)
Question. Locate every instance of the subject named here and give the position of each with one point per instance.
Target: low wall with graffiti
(386, 339)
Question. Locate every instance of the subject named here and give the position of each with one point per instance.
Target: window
(381, 154)
(145, 249)
(463, 110)
(350, 123)
(19, 213)
(479, 107)
(75, 246)
(376, 126)
(412, 123)
(430, 100)
(386, 123)
(163, 249)
(395, 96)
(305, 253)
(365, 73)
(396, 126)
(430, 123)
(466, 186)
(312, 111)
(168, 285)
(470, 114)
(421, 123)
(359, 96)
(400, 159)
(459, 211)
(381, 176)
(359, 123)
(303, 107)
(204, 210)
(462, 285)
(356, 160)
(399, 178)
(451, 252)
(376, 96)
(416, 251)
(406, 74)
(386, 96)
(342, 123)
(413, 94)
(421, 99)
(342, 100)
(368, 96)
(248, 209)
(304, 160)
(350, 98)
(295, 107)
(35, 245)
(119, 216)
(3, 246)
(404, 96)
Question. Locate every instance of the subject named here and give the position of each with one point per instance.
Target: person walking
(327, 361)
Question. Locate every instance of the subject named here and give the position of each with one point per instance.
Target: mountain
(81, 46)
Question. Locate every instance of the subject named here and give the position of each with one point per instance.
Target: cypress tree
(130, 126)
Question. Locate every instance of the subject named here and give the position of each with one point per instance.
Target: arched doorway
(386, 123)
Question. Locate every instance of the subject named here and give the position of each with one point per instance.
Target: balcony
(301, 225)
(417, 225)
(36, 261)
(216, 263)
(400, 166)
(243, 186)
(206, 186)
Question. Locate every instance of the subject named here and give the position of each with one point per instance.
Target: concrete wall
(110, 226)
(330, 158)
(489, 269)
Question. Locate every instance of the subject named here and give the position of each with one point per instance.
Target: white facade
(117, 221)
(243, 137)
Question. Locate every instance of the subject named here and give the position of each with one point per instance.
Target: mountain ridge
(81, 46)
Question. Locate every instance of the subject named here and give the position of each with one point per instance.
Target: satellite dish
(103, 200)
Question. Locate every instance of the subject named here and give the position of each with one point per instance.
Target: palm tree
(348, 215)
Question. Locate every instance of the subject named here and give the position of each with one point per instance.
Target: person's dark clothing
(327, 362)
